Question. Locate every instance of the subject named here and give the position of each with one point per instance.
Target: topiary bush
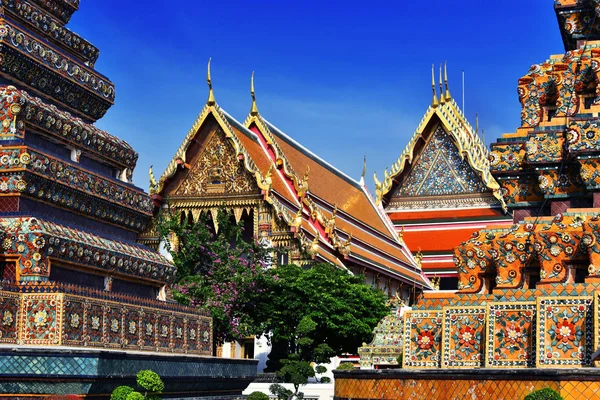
(258, 396)
(150, 381)
(345, 366)
(135, 396)
(121, 393)
(544, 394)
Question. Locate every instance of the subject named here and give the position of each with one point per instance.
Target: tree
(318, 312)
(220, 274)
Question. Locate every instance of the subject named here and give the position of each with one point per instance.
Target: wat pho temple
(491, 257)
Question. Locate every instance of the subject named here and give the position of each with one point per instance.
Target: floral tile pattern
(464, 334)
(41, 319)
(565, 329)
(511, 332)
(422, 339)
(9, 310)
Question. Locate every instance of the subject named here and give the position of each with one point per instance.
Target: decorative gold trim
(469, 145)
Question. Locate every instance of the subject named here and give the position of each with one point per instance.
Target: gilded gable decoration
(470, 147)
(217, 171)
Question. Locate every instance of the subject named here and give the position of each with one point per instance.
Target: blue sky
(343, 78)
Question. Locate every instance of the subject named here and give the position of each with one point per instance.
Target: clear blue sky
(343, 78)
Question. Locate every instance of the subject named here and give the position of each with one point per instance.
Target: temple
(441, 189)
(288, 198)
(527, 296)
(73, 275)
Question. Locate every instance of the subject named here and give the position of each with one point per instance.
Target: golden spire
(364, 171)
(211, 95)
(254, 109)
(448, 97)
(483, 136)
(434, 103)
(153, 183)
(477, 124)
(442, 98)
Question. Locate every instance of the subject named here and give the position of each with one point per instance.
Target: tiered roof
(331, 214)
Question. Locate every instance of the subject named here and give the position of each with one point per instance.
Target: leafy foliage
(322, 311)
(121, 392)
(346, 366)
(222, 274)
(281, 392)
(544, 394)
(258, 396)
(150, 381)
(135, 396)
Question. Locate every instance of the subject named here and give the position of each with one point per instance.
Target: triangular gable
(469, 145)
(440, 170)
(216, 171)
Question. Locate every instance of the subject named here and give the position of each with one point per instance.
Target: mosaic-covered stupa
(73, 275)
(528, 296)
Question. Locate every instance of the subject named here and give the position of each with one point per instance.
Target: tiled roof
(357, 220)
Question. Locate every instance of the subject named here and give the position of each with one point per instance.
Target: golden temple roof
(466, 139)
(331, 214)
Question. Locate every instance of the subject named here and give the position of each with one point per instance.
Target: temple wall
(472, 384)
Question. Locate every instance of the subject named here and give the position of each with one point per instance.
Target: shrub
(150, 381)
(121, 393)
(544, 394)
(135, 396)
(345, 366)
(258, 396)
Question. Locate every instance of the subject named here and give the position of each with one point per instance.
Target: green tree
(544, 394)
(220, 274)
(318, 312)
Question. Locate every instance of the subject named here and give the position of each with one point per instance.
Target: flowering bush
(220, 274)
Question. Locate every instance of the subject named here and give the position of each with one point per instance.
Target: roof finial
(448, 97)
(442, 98)
(364, 171)
(211, 95)
(434, 103)
(254, 109)
(483, 136)
(477, 124)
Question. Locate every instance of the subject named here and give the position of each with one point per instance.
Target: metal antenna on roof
(463, 91)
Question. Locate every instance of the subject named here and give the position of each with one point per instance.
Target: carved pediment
(217, 171)
(439, 171)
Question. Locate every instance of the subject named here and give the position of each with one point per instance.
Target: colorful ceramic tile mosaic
(41, 319)
(511, 334)
(565, 331)
(463, 341)
(9, 315)
(422, 339)
(440, 170)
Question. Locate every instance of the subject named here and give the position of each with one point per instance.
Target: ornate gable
(440, 170)
(217, 171)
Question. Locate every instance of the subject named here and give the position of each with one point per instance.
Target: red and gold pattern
(511, 330)
(463, 341)
(565, 331)
(422, 339)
